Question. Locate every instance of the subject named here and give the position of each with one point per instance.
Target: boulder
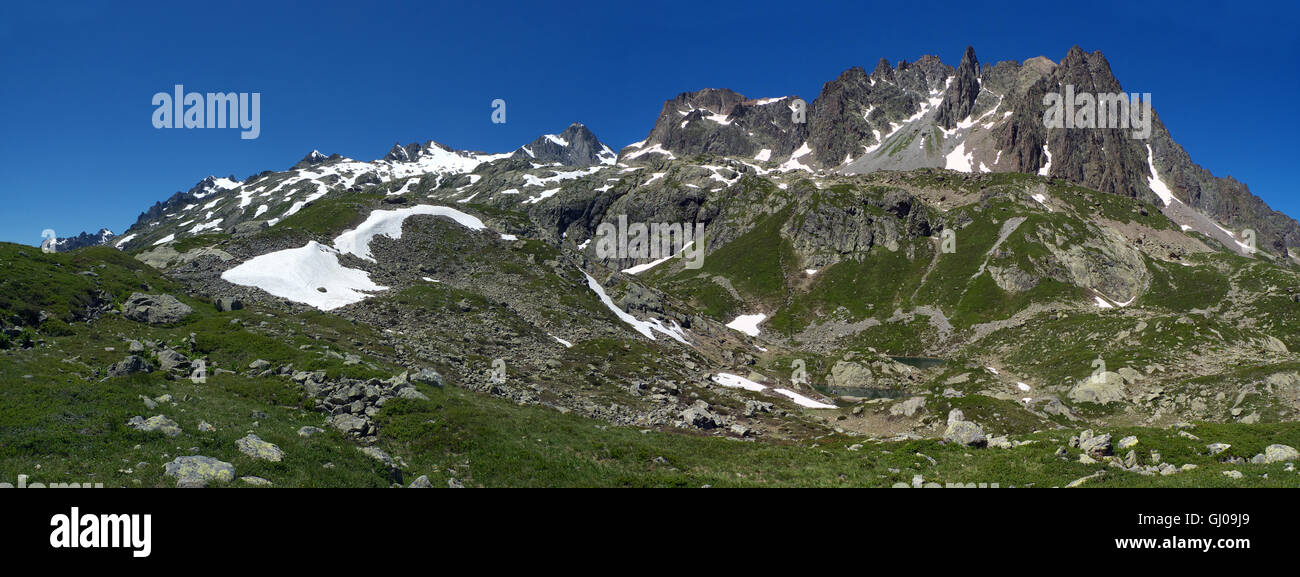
(909, 407)
(157, 423)
(1280, 453)
(170, 360)
(428, 377)
(963, 432)
(129, 366)
(699, 416)
(198, 471)
(1106, 387)
(255, 447)
(158, 309)
(227, 304)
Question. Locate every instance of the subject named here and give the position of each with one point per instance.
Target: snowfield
(298, 274)
(747, 324)
(389, 223)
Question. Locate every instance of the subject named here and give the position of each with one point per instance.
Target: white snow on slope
(763, 155)
(747, 324)
(389, 224)
(647, 266)
(736, 382)
(646, 328)
(296, 274)
(1047, 167)
(958, 159)
(165, 239)
(123, 240)
(802, 400)
(567, 344)
(1042, 200)
(545, 194)
(556, 139)
(1158, 186)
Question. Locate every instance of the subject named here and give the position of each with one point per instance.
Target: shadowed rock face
(927, 114)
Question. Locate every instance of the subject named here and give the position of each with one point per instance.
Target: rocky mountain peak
(577, 145)
(959, 100)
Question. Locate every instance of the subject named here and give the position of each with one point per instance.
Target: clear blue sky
(79, 151)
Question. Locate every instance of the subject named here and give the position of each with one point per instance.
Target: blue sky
(79, 151)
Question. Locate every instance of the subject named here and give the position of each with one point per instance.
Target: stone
(411, 393)
(1127, 443)
(171, 360)
(699, 416)
(309, 431)
(1096, 445)
(963, 432)
(259, 365)
(256, 448)
(1216, 448)
(157, 423)
(1000, 442)
(421, 482)
(1232, 474)
(909, 407)
(198, 471)
(158, 309)
(256, 481)
(1280, 453)
(129, 366)
(350, 424)
(1103, 388)
(227, 304)
(428, 377)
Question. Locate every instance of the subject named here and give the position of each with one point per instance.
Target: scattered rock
(256, 481)
(421, 482)
(309, 431)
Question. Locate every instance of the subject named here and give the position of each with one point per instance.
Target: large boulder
(699, 416)
(1102, 388)
(198, 471)
(158, 309)
(908, 408)
(963, 432)
(1279, 454)
(169, 360)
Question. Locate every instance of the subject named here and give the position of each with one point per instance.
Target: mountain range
(911, 263)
